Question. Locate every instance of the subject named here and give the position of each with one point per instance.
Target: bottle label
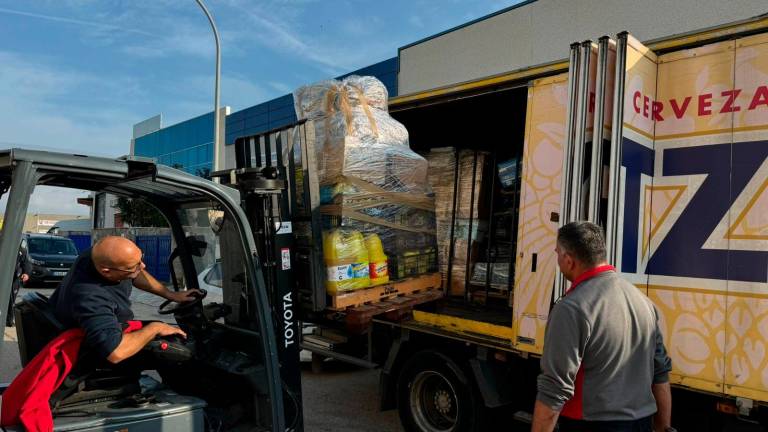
(379, 270)
(347, 271)
(360, 270)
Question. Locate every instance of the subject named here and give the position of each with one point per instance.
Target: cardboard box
(454, 205)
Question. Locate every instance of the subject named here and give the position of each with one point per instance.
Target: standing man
(604, 366)
(95, 296)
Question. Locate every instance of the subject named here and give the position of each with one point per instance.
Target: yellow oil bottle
(346, 261)
(379, 271)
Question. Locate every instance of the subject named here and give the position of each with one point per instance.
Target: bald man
(95, 296)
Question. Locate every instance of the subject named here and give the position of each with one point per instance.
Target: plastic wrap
(442, 168)
(370, 181)
(356, 136)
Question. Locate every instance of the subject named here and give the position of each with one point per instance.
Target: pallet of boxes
(470, 239)
(377, 210)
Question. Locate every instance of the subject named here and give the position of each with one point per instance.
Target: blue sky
(77, 74)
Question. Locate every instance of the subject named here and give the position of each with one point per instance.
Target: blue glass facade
(260, 118)
(189, 145)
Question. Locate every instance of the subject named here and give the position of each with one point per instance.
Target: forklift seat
(36, 325)
(89, 380)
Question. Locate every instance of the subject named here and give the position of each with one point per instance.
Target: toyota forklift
(238, 369)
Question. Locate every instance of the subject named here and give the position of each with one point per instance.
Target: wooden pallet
(380, 293)
(358, 319)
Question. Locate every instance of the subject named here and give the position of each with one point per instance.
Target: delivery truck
(663, 145)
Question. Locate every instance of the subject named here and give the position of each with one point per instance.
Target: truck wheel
(434, 395)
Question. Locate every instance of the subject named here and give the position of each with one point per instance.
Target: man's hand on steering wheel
(183, 296)
(186, 301)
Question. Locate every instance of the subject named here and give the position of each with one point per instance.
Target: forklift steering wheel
(198, 298)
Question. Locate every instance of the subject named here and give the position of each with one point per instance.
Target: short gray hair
(583, 241)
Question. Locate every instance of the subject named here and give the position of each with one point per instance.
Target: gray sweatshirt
(603, 344)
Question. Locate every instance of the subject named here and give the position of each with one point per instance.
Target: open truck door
(541, 196)
(229, 376)
(567, 137)
(602, 106)
(687, 204)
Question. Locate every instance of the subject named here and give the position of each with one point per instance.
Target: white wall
(541, 32)
(104, 216)
(229, 157)
(223, 113)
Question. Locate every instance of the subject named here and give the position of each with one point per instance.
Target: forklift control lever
(173, 348)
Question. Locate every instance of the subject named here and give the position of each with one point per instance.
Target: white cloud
(56, 200)
(237, 91)
(281, 87)
(77, 22)
(181, 37)
(53, 200)
(278, 35)
(357, 27)
(143, 51)
(240, 93)
(44, 105)
(23, 80)
(352, 42)
(174, 29)
(416, 21)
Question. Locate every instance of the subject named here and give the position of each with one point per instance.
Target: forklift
(239, 367)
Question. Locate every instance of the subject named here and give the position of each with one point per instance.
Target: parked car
(47, 258)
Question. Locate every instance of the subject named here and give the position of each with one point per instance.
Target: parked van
(47, 258)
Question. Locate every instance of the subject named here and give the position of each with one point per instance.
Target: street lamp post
(216, 143)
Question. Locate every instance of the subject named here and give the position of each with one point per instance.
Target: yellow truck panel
(694, 216)
(540, 197)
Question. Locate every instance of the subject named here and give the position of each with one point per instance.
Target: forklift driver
(95, 296)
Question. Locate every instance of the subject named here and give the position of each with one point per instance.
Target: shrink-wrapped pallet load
(371, 182)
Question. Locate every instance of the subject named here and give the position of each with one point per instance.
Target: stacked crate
(460, 213)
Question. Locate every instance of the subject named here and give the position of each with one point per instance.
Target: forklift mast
(261, 176)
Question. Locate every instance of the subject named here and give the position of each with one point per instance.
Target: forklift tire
(434, 395)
